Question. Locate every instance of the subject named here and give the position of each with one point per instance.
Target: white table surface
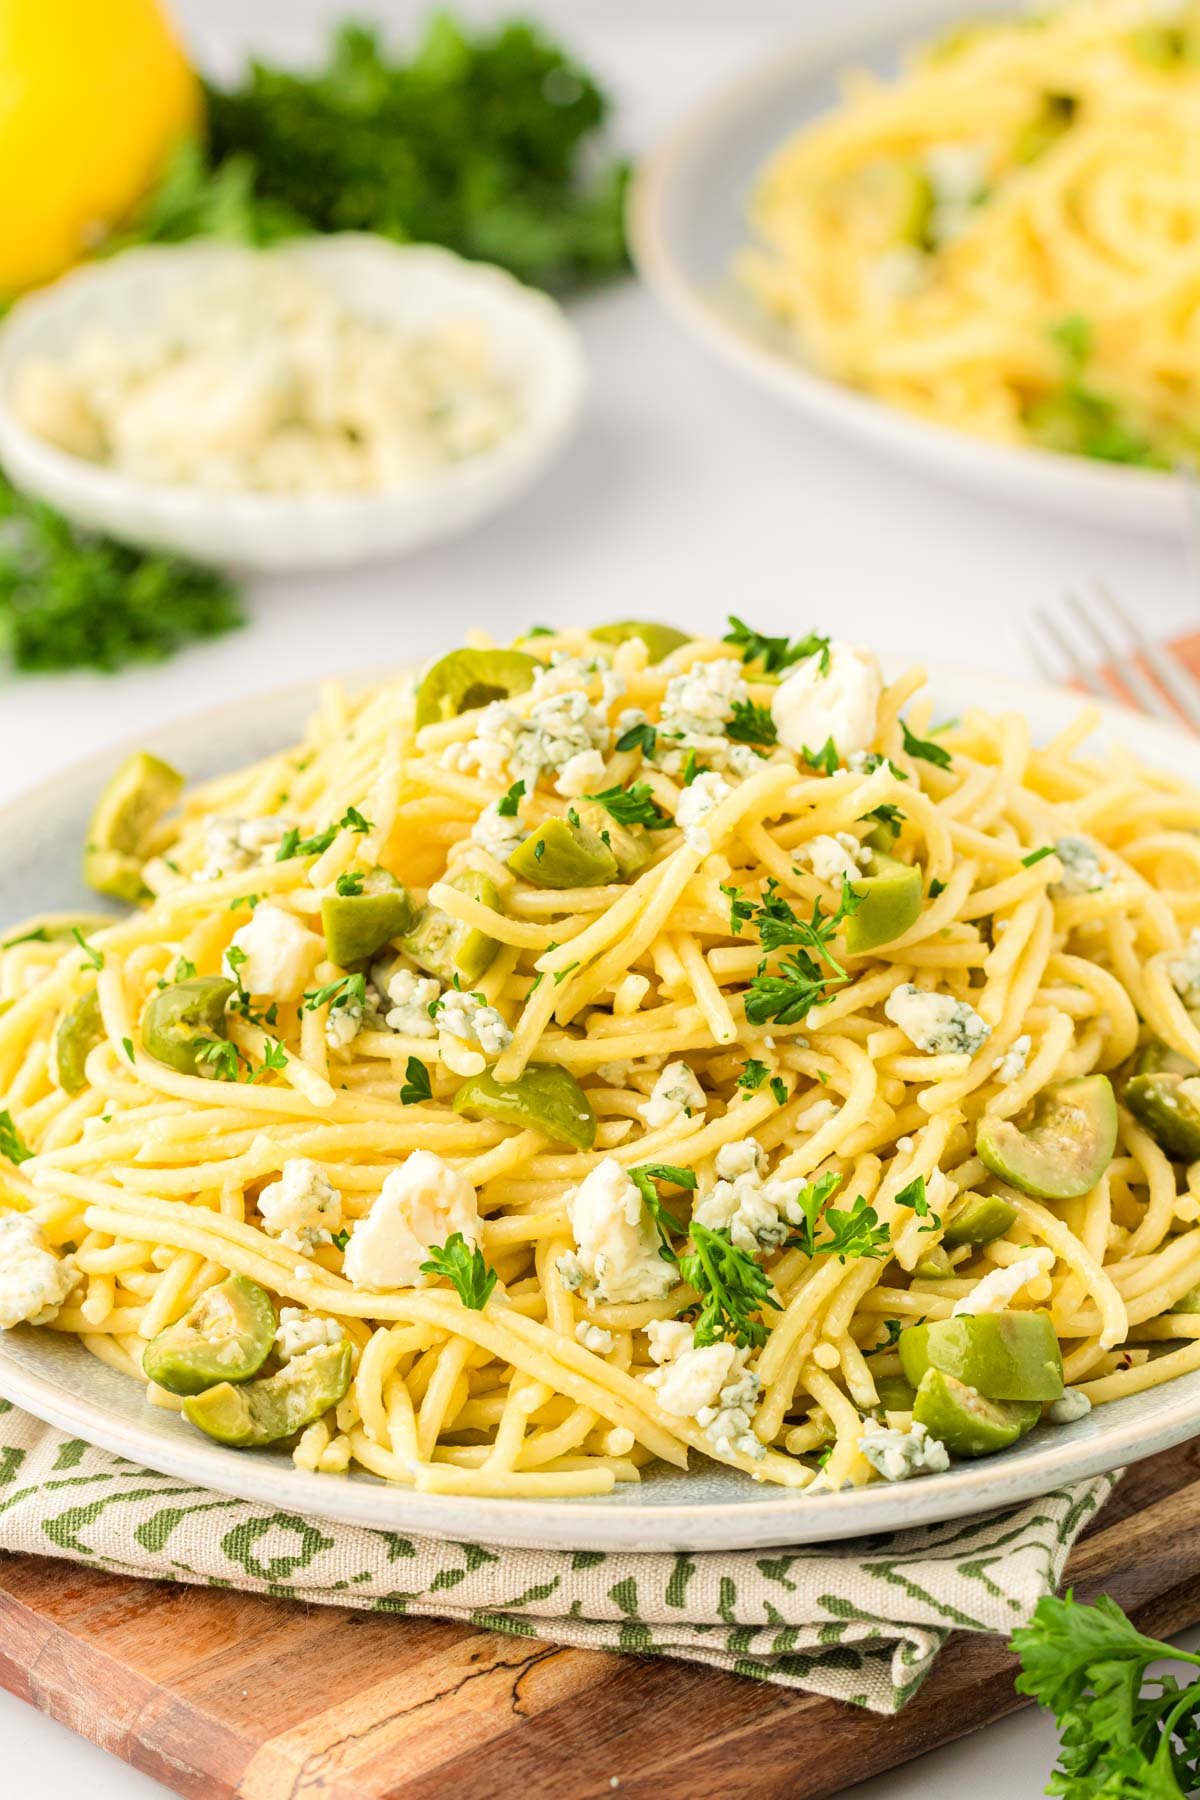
(686, 495)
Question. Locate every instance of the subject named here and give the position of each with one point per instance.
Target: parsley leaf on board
(924, 749)
(463, 1266)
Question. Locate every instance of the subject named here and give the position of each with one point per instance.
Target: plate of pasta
(968, 241)
(612, 1089)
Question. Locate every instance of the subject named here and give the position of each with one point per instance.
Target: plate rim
(1055, 481)
(744, 1522)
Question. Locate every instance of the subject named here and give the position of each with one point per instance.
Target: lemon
(93, 96)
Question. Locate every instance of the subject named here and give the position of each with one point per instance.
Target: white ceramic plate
(411, 285)
(688, 219)
(709, 1508)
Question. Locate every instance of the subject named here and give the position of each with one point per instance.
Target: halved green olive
(967, 1422)
(935, 1264)
(183, 1018)
(357, 925)
(226, 1336)
(545, 1098)
(889, 902)
(984, 1217)
(277, 1406)
(446, 947)
(561, 855)
(468, 679)
(1005, 1355)
(132, 803)
(895, 1393)
(75, 1037)
(659, 640)
(1064, 1150)
(628, 843)
(1165, 1105)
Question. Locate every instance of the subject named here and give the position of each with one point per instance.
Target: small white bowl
(536, 351)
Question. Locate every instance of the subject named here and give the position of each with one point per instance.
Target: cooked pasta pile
(1006, 239)
(523, 1319)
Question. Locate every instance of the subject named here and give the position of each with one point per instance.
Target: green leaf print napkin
(861, 1622)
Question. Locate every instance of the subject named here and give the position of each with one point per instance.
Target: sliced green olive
(965, 1421)
(984, 1217)
(1167, 1106)
(562, 855)
(226, 1336)
(183, 1018)
(545, 1098)
(127, 811)
(277, 1406)
(357, 925)
(895, 1393)
(659, 640)
(1005, 1355)
(628, 843)
(934, 1265)
(446, 947)
(465, 680)
(889, 902)
(1067, 1145)
(76, 1036)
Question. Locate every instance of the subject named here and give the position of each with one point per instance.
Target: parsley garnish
(464, 1267)
(1037, 856)
(353, 820)
(733, 1289)
(888, 815)
(12, 1144)
(775, 653)
(341, 1239)
(221, 1056)
(507, 807)
(752, 1076)
(274, 1057)
(690, 768)
(250, 900)
(801, 980)
(779, 1089)
(645, 1179)
(914, 1195)
(825, 759)
(641, 737)
(95, 957)
(350, 884)
(416, 1083)
(871, 760)
(854, 1232)
(936, 887)
(346, 991)
(184, 969)
(632, 806)
(921, 747)
(751, 724)
(127, 1046)
(39, 935)
(292, 844)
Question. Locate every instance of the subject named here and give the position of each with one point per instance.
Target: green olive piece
(1157, 1058)
(75, 1037)
(895, 1393)
(358, 925)
(183, 1018)
(1162, 1103)
(127, 811)
(967, 1422)
(935, 1264)
(1064, 1149)
(628, 843)
(562, 855)
(889, 902)
(447, 948)
(465, 680)
(1187, 1303)
(545, 1098)
(277, 1406)
(1004, 1355)
(984, 1217)
(226, 1336)
(659, 640)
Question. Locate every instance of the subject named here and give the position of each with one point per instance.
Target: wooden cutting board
(222, 1694)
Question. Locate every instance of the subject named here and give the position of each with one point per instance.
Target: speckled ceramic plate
(709, 1508)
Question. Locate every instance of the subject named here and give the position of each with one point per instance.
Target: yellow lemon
(93, 96)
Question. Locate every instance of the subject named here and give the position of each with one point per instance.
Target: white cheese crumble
(696, 709)
(497, 833)
(470, 1032)
(34, 1280)
(280, 954)
(993, 1293)
(694, 805)
(813, 704)
(260, 378)
(580, 774)
(300, 1331)
(1071, 1406)
(754, 1210)
(1012, 1064)
(831, 857)
(510, 747)
(422, 1203)
(899, 1455)
(303, 1208)
(232, 844)
(343, 1021)
(408, 998)
(616, 1256)
(594, 1337)
(936, 1023)
(677, 1095)
(1184, 972)
(1083, 872)
(709, 1383)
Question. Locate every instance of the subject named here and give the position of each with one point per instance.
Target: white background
(686, 495)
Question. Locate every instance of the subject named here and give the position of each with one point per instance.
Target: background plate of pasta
(612, 1089)
(968, 239)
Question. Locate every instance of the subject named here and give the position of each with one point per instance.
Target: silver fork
(1125, 652)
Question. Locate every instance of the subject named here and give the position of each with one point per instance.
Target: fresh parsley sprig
(642, 736)
(924, 749)
(775, 653)
(751, 724)
(633, 805)
(733, 1289)
(799, 981)
(463, 1266)
(846, 1232)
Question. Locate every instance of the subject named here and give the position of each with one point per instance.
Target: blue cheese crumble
(937, 1024)
(302, 1209)
(1082, 870)
(899, 1455)
(1012, 1064)
(677, 1096)
(1184, 972)
(300, 1331)
(753, 1209)
(34, 1280)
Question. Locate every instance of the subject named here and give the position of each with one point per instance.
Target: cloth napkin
(861, 1622)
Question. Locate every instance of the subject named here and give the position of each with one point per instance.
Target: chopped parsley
(350, 884)
(341, 1239)
(799, 981)
(416, 1083)
(506, 808)
(347, 991)
(887, 815)
(248, 900)
(292, 844)
(221, 1056)
(95, 958)
(871, 760)
(825, 759)
(914, 1195)
(690, 768)
(853, 1232)
(775, 653)
(779, 1089)
(1037, 856)
(39, 935)
(645, 1179)
(924, 749)
(274, 1057)
(464, 1268)
(753, 1074)
(632, 806)
(641, 737)
(936, 887)
(733, 1289)
(12, 1144)
(751, 724)
(127, 1046)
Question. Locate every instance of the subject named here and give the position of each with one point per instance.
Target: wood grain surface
(221, 1694)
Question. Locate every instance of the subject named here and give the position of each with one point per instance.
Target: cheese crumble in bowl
(327, 401)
